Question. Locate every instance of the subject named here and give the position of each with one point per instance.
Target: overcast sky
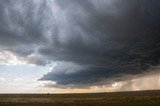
(79, 45)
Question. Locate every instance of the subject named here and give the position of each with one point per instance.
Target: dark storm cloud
(24, 26)
(72, 75)
(102, 39)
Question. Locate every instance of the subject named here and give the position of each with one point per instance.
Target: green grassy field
(143, 98)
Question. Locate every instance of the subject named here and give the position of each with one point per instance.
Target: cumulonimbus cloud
(102, 39)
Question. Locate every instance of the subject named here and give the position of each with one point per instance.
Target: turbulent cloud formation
(92, 40)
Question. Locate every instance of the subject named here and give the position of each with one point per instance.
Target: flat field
(139, 98)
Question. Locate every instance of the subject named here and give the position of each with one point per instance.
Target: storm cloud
(91, 40)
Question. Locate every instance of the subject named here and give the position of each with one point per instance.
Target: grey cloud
(73, 75)
(24, 26)
(105, 38)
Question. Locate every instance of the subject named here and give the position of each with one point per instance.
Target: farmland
(139, 98)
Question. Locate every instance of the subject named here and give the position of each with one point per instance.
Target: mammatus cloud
(93, 41)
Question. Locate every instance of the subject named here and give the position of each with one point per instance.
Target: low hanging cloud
(92, 40)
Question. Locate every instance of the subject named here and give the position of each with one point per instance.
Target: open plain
(138, 98)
